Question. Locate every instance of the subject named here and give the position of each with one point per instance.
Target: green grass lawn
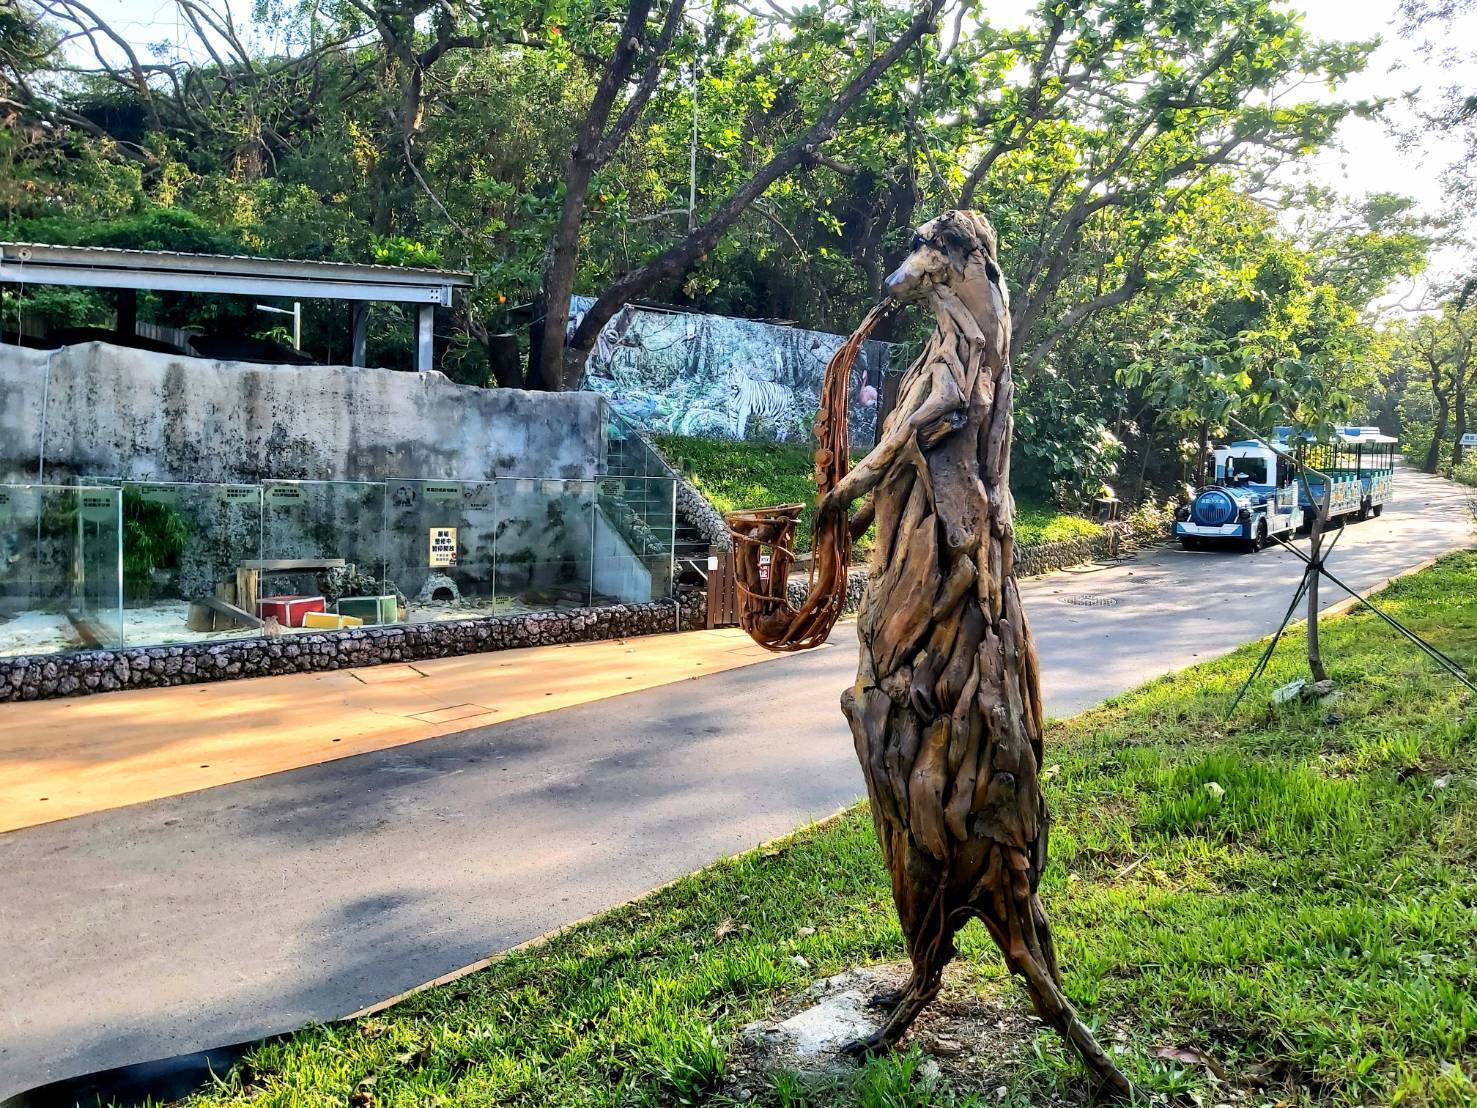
(755, 475)
(1310, 922)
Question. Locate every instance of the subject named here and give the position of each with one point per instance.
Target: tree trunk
(558, 286)
(1136, 494)
(596, 144)
(504, 361)
(1442, 398)
(1438, 436)
(946, 711)
(1315, 552)
(1459, 410)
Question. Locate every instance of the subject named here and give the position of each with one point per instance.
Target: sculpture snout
(904, 282)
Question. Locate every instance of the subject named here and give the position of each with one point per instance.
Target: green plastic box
(371, 609)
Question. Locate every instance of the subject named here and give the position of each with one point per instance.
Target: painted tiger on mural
(755, 398)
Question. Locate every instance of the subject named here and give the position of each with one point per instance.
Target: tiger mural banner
(687, 373)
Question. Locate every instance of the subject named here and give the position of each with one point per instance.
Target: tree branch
(679, 256)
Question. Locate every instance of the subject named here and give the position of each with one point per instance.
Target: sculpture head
(952, 249)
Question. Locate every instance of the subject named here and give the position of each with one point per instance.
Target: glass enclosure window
(439, 547)
(183, 547)
(118, 562)
(545, 538)
(60, 568)
(634, 538)
(327, 539)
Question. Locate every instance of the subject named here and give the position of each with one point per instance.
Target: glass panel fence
(322, 564)
(439, 542)
(184, 547)
(634, 539)
(60, 568)
(116, 562)
(627, 453)
(545, 536)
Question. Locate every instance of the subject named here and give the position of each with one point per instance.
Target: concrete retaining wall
(114, 412)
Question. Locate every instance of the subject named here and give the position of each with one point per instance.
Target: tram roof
(1365, 435)
(1349, 436)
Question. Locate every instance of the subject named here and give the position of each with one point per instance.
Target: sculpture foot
(876, 1043)
(887, 998)
(906, 1004)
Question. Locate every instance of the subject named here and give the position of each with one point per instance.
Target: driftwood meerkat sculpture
(946, 710)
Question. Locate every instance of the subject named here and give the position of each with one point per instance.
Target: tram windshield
(1253, 470)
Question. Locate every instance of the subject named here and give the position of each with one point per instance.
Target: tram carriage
(1257, 494)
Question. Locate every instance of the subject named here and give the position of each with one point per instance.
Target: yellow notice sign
(443, 547)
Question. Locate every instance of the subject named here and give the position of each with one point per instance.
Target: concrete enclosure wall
(109, 411)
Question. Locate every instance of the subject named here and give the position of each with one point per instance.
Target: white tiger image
(754, 398)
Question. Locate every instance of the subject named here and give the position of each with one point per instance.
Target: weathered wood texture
(722, 591)
(946, 710)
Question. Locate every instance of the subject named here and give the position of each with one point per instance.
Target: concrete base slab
(971, 1039)
(832, 1013)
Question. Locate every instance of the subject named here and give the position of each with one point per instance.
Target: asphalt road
(256, 907)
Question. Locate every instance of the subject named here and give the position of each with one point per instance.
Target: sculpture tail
(764, 609)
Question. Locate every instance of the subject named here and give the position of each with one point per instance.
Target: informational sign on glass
(443, 547)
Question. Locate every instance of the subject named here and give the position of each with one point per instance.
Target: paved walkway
(253, 907)
(64, 758)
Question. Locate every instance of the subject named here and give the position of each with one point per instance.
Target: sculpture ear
(958, 242)
(986, 242)
(985, 232)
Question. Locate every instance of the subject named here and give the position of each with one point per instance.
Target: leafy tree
(1440, 350)
(599, 137)
(1129, 113)
(767, 163)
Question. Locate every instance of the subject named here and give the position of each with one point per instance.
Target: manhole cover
(1092, 600)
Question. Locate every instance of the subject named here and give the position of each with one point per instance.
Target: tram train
(1257, 494)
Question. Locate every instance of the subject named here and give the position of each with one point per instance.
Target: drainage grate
(1091, 600)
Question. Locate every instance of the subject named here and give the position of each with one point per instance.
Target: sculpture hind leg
(922, 988)
(1019, 927)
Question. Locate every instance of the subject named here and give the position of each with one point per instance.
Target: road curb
(1349, 603)
(554, 933)
(170, 1079)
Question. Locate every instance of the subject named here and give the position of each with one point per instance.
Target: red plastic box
(289, 610)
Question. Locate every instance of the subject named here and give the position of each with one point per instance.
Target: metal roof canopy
(162, 270)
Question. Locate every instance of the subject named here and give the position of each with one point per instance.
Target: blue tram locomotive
(1257, 495)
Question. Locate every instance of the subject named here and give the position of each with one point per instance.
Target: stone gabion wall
(856, 581)
(1048, 556)
(42, 676)
(38, 677)
(1114, 541)
(693, 506)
